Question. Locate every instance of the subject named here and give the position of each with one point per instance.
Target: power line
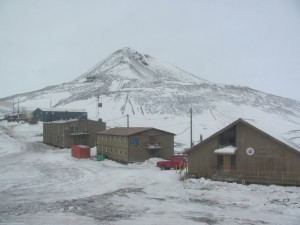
(183, 131)
(92, 102)
(177, 124)
(137, 124)
(173, 125)
(115, 119)
(164, 118)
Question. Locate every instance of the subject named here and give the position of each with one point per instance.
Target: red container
(81, 151)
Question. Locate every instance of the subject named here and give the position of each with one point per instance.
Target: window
(227, 138)
(115, 151)
(120, 139)
(125, 153)
(73, 129)
(125, 139)
(134, 141)
(106, 149)
(115, 138)
(120, 152)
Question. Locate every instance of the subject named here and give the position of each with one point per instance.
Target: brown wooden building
(243, 152)
(135, 144)
(66, 133)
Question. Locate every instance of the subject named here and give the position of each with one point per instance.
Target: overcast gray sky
(253, 43)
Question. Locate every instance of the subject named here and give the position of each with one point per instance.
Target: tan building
(243, 152)
(135, 144)
(65, 134)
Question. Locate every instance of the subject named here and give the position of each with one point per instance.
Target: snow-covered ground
(40, 184)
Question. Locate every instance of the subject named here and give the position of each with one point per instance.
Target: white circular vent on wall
(250, 151)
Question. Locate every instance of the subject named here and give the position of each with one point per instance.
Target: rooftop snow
(61, 110)
(228, 150)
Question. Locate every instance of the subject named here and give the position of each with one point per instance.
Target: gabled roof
(127, 131)
(258, 128)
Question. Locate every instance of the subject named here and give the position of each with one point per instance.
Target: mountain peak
(132, 55)
(127, 51)
(129, 64)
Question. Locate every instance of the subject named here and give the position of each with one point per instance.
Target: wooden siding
(270, 157)
(59, 133)
(121, 148)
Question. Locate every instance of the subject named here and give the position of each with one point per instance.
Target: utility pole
(97, 116)
(191, 115)
(127, 120)
(99, 104)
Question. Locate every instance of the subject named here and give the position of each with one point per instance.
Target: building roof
(70, 120)
(256, 126)
(127, 131)
(61, 110)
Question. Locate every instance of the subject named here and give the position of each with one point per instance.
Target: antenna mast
(98, 106)
(97, 116)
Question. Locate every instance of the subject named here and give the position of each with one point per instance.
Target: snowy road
(43, 185)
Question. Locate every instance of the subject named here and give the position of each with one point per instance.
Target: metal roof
(70, 120)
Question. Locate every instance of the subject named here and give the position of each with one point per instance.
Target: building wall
(269, 155)
(58, 133)
(140, 152)
(202, 158)
(48, 116)
(113, 147)
(120, 148)
(93, 128)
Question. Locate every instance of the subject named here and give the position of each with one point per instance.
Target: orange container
(81, 151)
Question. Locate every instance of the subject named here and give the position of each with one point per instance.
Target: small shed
(81, 151)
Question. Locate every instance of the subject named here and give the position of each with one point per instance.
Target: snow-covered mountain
(155, 93)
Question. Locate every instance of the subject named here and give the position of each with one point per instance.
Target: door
(227, 162)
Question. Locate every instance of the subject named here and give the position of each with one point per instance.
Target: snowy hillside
(157, 94)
